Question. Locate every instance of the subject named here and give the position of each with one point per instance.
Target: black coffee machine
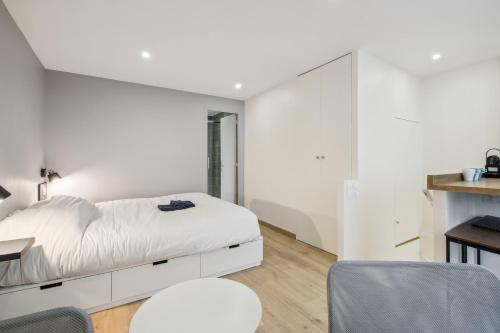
(492, 164)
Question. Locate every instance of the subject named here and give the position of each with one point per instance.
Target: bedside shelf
(13, 249)
(454, 183)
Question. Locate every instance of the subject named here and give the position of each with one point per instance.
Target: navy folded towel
(176, 205)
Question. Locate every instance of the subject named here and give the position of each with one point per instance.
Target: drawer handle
(160, 262)
(234, 246)
(53, 285)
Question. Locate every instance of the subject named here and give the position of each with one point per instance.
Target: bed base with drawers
(125, 285)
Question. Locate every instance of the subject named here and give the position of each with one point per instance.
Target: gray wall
(21, 102)
(111, 139)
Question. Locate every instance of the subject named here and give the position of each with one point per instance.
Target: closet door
(407, 180)
(332, 157)
(306, 159)
(336, 144)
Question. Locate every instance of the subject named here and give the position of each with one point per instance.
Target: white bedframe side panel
(84, 293)
(144, 279)
(226, 260)
(107, 290)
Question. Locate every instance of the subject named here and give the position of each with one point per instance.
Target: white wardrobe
(356, 118)
(298, 152)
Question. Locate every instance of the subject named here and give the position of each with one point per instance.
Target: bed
(126, 239)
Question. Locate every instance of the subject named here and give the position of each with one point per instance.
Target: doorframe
(237, 152)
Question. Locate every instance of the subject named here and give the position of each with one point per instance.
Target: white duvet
(82, 239)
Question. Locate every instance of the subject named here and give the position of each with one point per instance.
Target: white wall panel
(382, 157)
(407, 180)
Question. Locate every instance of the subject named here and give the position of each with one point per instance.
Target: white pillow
(74, 210)
(39, 204)
(63, 216)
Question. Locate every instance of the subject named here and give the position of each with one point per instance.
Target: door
(407, 180)
(305, 159)
(228, 153)
(336, 144)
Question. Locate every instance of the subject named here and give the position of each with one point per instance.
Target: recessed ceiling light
(146, 55)
(238, 86)
(436, 56)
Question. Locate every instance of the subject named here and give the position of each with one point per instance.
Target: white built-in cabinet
(324, 96)
(345, 177)
(298, 152)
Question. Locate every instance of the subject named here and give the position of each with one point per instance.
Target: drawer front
(229, 259)
(84, 293)
(144, 279)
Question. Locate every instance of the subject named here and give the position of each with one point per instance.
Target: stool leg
(448, 250)
(464, 253)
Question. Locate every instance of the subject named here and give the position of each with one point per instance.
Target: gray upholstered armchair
(60, 320)
(412, 297)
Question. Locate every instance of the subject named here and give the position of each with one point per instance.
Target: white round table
(202, 305)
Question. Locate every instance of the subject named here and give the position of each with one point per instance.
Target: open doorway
(222, 159)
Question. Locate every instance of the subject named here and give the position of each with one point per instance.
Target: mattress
(126, 233)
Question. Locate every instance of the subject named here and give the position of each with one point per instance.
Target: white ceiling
(207, 46)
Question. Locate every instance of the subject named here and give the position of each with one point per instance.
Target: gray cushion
(412, 297)
(60, 320)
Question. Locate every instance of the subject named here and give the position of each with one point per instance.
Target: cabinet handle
(317, 157)
(234, 246)
(160, 262)
(53, 285)
(322, 157)
(397, 222)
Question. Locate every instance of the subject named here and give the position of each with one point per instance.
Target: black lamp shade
(4, 194)
(53, 176)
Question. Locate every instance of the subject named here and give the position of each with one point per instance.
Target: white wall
(461, 116)
(272, 135)
(21, 102)
(384, 92)
(459, 112)
(111, 139)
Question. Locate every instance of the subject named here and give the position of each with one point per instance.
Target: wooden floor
(291, 284)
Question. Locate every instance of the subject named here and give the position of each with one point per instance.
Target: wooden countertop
(454, 183)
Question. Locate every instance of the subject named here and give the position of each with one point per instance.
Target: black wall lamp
(48, 176)
(4, 194)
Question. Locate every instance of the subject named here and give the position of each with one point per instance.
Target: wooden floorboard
(291, 284)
